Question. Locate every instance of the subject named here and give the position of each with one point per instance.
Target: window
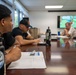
(16, 18)
(21, 16)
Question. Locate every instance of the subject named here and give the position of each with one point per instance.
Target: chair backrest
(34, 32)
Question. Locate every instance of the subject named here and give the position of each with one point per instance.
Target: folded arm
(12, 54)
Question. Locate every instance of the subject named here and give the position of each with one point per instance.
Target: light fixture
(56, 6)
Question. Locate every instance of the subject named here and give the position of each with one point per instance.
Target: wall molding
(61, 10)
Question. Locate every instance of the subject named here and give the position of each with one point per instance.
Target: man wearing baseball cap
(20, 33)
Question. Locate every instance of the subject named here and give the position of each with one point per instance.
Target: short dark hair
(4, 11)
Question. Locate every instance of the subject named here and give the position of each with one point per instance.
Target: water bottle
(1, 57)
(48, 37)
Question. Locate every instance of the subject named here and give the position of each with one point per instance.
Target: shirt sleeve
(25, 35)
(72, 32)
(16, 32)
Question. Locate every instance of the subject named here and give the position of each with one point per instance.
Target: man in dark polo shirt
(20, 33)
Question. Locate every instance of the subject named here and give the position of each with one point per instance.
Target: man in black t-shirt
(12, 52)
(20, 33)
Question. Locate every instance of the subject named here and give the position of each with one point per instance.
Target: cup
(58, 33)
(42, 38)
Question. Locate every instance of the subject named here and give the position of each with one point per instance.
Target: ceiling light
(58, 6)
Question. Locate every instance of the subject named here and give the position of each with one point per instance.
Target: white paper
(61, 36)
(29, 62)
(42, 42)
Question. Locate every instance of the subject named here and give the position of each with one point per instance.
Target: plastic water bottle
(1, 57)
(48, 37)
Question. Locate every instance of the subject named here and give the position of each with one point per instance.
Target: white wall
(44, 19)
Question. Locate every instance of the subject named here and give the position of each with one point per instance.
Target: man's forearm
(25, 42)
(29, 37)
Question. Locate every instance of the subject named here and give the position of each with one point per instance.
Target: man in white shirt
(69, 31)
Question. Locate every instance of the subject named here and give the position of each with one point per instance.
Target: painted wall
(44, 19)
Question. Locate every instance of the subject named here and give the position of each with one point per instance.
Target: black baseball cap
(25, 22)
(26, 18)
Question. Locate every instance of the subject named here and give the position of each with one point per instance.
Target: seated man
(12, 52)
(29, 31)
(69, 31)
(20, 33)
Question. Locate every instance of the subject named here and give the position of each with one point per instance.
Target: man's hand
(13, 55)
(36, 40)
(66, 32)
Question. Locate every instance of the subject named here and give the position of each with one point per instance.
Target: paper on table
(42, 44)
(61, 36)
(29, 62)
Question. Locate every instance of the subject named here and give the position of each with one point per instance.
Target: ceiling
(39, 5)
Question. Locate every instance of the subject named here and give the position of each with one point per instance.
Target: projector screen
(63, 19)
